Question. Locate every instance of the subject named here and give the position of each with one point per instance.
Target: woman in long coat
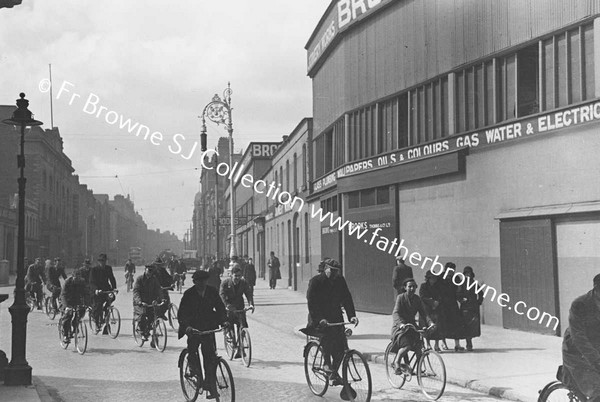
(451, 313)
(469, 308)
(431, 296)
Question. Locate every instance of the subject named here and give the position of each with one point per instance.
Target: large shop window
(369, 197)
(329, 149)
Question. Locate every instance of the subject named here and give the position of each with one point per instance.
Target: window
(369, 197)
(295, 172)
(287, 176)
(304, 165)
(306, 239)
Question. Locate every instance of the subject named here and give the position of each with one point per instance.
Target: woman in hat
(431, 296)
(469, 302)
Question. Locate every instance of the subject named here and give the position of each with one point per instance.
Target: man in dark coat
(249, 272)
(101, 279)
(85, 271)
(214, 275)
(232, 293)
(404, 337)
(326, 295)
(34, 281)
(581, 343)
(166, 283)
(146, 289)
(274, 272)
(201, 308)
(73, 295)
(53, 275)
(401, 272)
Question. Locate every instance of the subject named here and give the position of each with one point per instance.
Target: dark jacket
(214, 278)
(53, 276)
(581, 344)
(102, 278)
(274, 272)
(250, 274)
(200, 312)
(36, 274)
(326, 298)
(145, 289)
(401, 272)
(164, 278)
(74, 292)
(233, 295)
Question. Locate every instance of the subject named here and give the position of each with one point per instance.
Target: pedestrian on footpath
(431, 296)
(401, 272)
(451, 313)
(249, 272)
(469, 308)
(274, 272)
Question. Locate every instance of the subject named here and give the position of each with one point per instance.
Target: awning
(549, 210)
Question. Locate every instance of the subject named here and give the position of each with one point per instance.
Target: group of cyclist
(47, 274)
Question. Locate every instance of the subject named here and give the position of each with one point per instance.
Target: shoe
(65, 339)
(437, 349)
(458, 348)
(470, 348)
(152, 344)
(96, 331)
(444, 346)
(212, 394)
(237, 355)
(336, 380)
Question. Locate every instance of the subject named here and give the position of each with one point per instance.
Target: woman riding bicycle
(202, 309)
(404, 335)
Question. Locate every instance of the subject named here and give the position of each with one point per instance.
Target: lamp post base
(17, 375)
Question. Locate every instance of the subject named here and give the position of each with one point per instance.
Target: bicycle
(178, 280)
(158, 330)
(559, 391)
(172, 312)
(129, 281)
(356, 375)
(31, 298)
(51, 306)
(80, 334)
(111, 316)
(191, 384)
(241, 334)
(429, 369)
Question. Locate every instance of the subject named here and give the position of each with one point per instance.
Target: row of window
(553, 72)
(369, 197)
(278, 241)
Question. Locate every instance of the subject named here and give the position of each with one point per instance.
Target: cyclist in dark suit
(202, 309)
(74, 293)
(101, 279)
(146, 289)
(327, 294)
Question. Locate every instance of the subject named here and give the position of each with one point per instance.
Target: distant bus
(135, 253)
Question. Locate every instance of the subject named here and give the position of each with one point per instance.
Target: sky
(157, 64)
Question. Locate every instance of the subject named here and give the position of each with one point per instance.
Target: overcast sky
(157, 63)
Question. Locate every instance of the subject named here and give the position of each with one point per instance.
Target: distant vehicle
(192, 264)
(135, 253)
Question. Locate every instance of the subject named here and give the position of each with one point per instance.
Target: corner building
(470, 130)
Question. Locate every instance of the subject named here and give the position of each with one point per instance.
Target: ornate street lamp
(219, 111)
(18, 371)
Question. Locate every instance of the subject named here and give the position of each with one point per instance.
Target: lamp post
(117, 241)
(18, 371)
(219, 111)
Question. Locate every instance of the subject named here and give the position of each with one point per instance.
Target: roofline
(325, 14)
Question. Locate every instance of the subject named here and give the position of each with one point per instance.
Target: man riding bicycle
(146, 290)
(102, 279)
(180, 269)
(232, 293)
(35, 280)
(53, 275)
(74, 294)
(581, 344)
(404, 334)
(202, 309)
(129, 268)
(326, 295)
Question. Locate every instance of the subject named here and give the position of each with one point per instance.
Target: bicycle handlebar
(211, 331)
(105, 292)
(337, 324)
(243, 310)
(154, 304)
(422, 330)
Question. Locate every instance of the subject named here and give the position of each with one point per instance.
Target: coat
(405, 311)
(453, 322)
(326, 297)
(74, 292)
(581, 344)
(250, 274)
(430, 294)
(214, 278)
(274, 272)
(401, 272)
(469, 302)
(233, 295)
(200, 312)
(145, 289)
(102, 278)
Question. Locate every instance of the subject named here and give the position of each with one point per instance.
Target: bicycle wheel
(228, 342)
(91, 321)
(316, 377)
(395, 380)
(61, 335)
(246, 347)
(113, 322)
(137, 335)
(173, 323)
(50, 311)
(30, 302)
(81, 337)
(224, 382)
(357, 377)
(189, 382)
(558, 392)
(431, 374)
(160, 335)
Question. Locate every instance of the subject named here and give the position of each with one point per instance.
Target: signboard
(341, 17)
(501, 134)
(226, 221)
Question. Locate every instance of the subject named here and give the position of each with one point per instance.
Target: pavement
(509, 364)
